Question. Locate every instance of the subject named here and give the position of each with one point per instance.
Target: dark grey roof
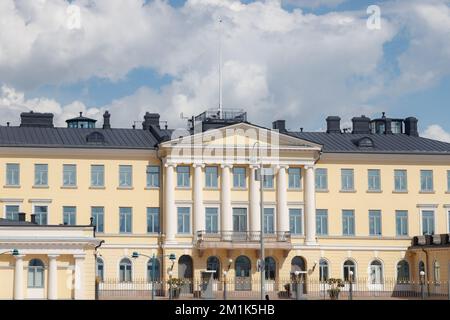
(383, 143)
(76, 138)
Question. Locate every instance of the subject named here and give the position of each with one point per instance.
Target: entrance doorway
(243, 280)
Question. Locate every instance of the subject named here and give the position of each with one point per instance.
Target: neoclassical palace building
(335, 203)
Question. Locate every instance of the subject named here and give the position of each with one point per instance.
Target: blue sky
(167, 76)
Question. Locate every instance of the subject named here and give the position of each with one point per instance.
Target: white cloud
(436, 132)
(315, 3)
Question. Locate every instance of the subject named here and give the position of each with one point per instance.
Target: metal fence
(360, 288)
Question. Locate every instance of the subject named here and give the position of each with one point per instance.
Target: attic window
(96, 138)
(365, 143)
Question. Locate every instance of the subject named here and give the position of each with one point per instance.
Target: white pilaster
(79, 281)
(226, 214)
(310, 206)
(282, 210)
(52, 293)
(199, 214)
(18, 278)
(170, 221)
(255, 214)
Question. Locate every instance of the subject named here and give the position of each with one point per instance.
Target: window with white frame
(348, 222)
(240, 219)
(239, 175)
(41, 214)
(374, 180)
(269, 220)
(125, 219)
(125, 176)
(12, 174)
(401, 223)
(294, 178)
(184, 220)
(426, 180)
(12, 212)
(36, 272)
(97, 213)
(153, 220)
(100, 269)
(349, 265)
(41, 175)
(69, 175)
(125, 270)
(153, 176)
(376, 272)
(321, 222)
(69, 215)
(295, 221)
(97, 175)
(347, 180)
(211, 177)
(268, 181)
(427, 222)
(183, 176)
(375, 222)
(403, 272)
(400, 180)
(212, 220)
(323, 270)
(321, 179)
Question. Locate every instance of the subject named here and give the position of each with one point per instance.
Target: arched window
(298, 264)
(125, 274)
(36, 274)
(421, 266)
(270, 267)
(213, 263)
(349, 265)
(402, 271)
(323, 270)
(376, 272)
(437, 272)
(153, 270)
(95, 138)
(100, 269)
(243, 266)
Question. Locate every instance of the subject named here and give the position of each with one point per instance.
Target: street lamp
(350, 279)
(170, 273)
(422, 284)
(13, 252)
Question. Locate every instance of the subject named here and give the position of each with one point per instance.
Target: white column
(52, 290)
(170, 221)
(225, 212)
(18, 278)
(199, 214)
(255, 214)
(282, 210)
(79, 281)
(310, 206)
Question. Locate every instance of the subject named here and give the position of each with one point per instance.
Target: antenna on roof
(220, 70)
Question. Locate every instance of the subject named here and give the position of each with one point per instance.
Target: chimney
(150, 119)
(361, 125)
(22, 216)
(411, 127)
(279, 125)
(38, 120)
(333, 124)
(106, 123)
(33, 219)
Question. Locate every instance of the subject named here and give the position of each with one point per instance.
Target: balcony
(243, 240)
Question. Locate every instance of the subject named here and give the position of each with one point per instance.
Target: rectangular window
(153, 220)
(375, 222)
(97, 175)
(269, 220)
(12, 212)
(347, 180)
(97, 214)
(69, 216)
(211, 177)
(448, 180)
(184, 220)
(239, 219)
(212, 220)
(69, 175)
(268, 181)
(348, 222)
(153, 176)
(294, 178)
(321, 179)
(295, 221)
(125, 176)
(40, 174)
(125, 217)
(321, 222)
(374, 180)
(426, 180)
(400, 180)
(427, 222)
(401, 222)
(41, 213)
(12, 174)
(183, 176)
(239, 177)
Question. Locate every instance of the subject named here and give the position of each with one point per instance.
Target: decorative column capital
(19, 256)
(196, 165)
(309, 167)
(226, 165)
(169, 164)
(53, 256)
(79, 256)
(282, 166)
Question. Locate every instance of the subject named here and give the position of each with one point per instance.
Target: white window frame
(188, 186)
(353, 179)
(356, 273)
(6, 175)
(299, 180)
(126, 166)
(328, 224)
(217, 177)
(43, 204)
(377, 177)
(12, 203)
(302, 220)
(132, 268)
(131, 222)
(182, 205)
(238, 206)
(275, 227)
(72, 165)
(326, 179)
(381, 222)
(421, 210)
(76, 218)
(215, 206)
(405, 189)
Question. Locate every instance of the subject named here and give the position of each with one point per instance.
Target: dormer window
(365, 142)
(81, 122)
(96, 138)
